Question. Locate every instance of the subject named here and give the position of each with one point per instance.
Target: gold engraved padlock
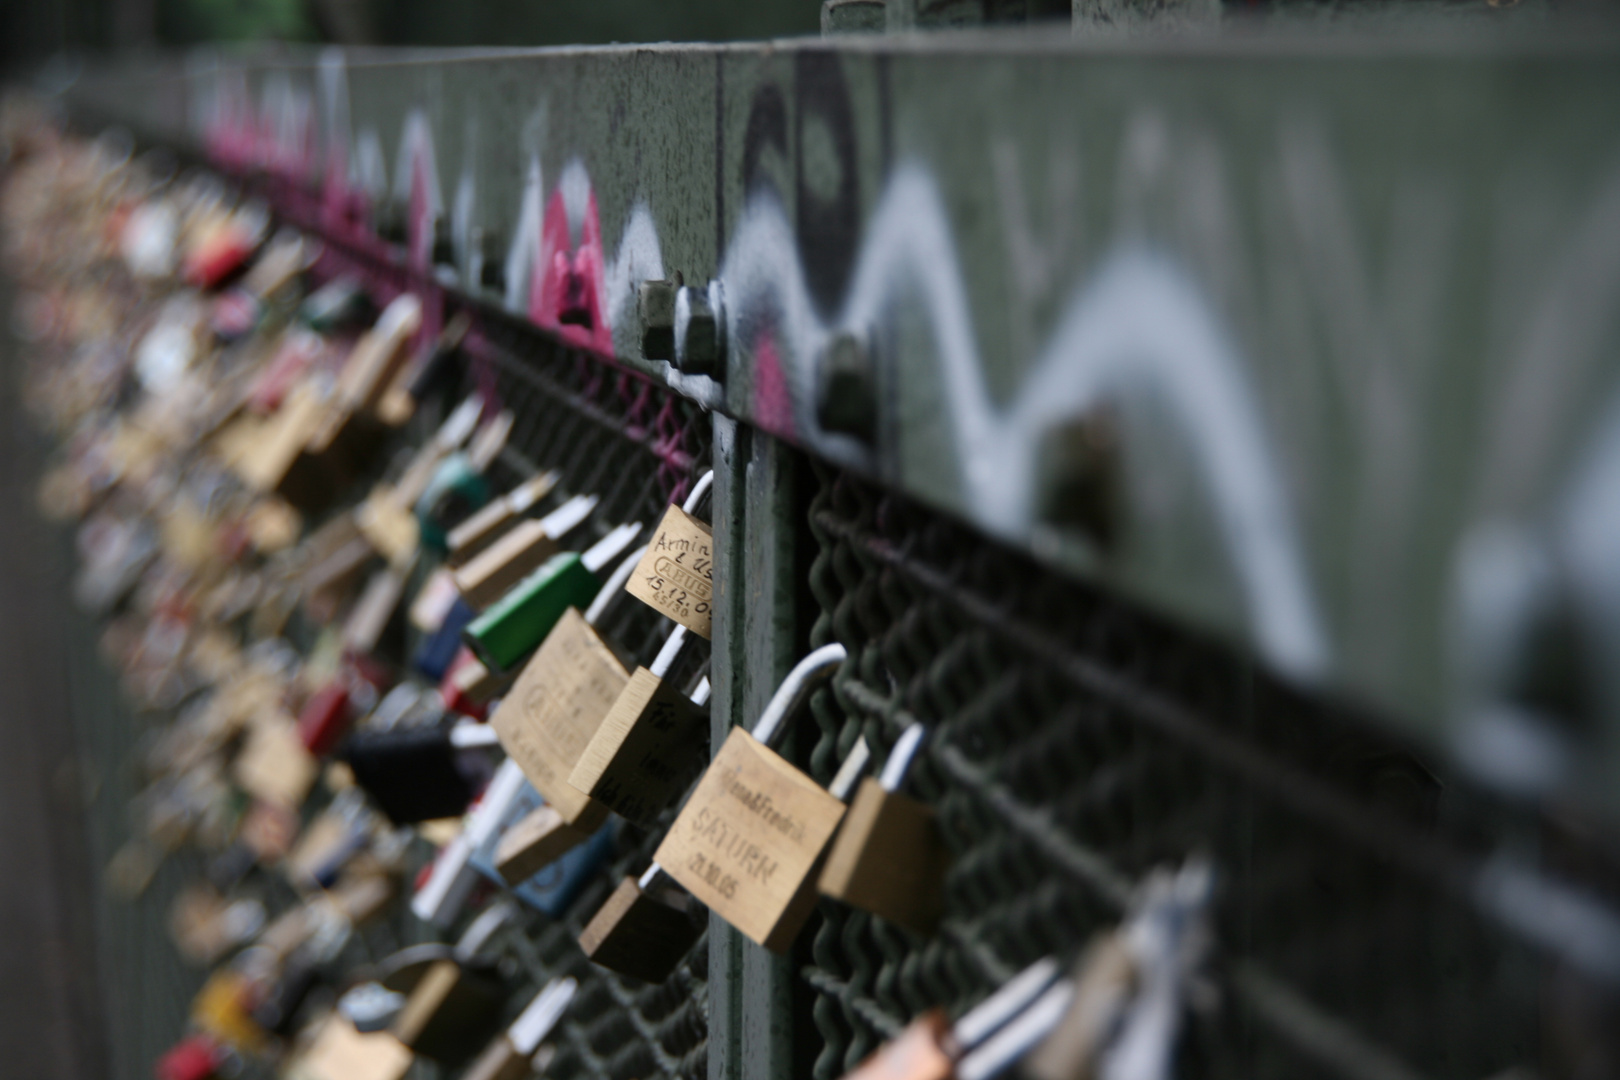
(545, 723)
(676, 575)
(497, 518)
(651, 743)
(553, 709)
(890, 858)
(485, 577)
(750, 839)
(646, 928)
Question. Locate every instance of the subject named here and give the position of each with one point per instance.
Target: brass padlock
(676, 576)
(644, 929)
(385, 517)
(650, 744)
(339, 1052)
(545, 723)
(483, 579)
(890, 858)
(510, 1055)
(497, 517)
(749, 841)
(447, 1014)
(454, 997)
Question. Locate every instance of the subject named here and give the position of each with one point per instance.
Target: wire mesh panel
(638, 448)
(1076, 744)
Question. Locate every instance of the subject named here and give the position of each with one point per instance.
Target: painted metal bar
(1309, 342)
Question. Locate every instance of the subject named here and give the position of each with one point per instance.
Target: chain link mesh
(1076, 743)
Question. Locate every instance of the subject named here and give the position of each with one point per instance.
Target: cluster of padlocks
(387, 683)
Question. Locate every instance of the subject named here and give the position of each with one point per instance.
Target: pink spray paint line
(773, 403)
(421, 216)
(572, 284)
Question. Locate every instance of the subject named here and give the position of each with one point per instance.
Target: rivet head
(846, 388)
(1079, 476)
(655, 303)
(700, 345)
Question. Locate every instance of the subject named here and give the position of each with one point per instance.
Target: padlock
(492, 522)
(468, 686)
(484, 578)
(453, 1000)
(520, 620)
(412, 773)
(457, 488)
(1117, 1018)
(984, 1042)
(339, 1052)
(437, 364)
(510, 1055)
(273, 765)
(437, 650)
(1134, 986)
(750, 839)
(650, 744)
(890, 858)
(554, 887)
(385, 518)
(545, 723)
(645, 928)
(676, 575)
(372, 614)
(452, 878)
(378, 355)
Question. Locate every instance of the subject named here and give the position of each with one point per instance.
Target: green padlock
(519, 621)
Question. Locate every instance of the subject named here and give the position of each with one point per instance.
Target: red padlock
(194, 1058)
(325, 717)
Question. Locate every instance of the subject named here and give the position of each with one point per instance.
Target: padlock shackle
(807, 675)
(1019, 1035)
(459, 425)
(610, 547)
(849, 773)
(614, 584)
(1016, 994)
(902, 756)
(481, 929)
(671, 651)
(541, 1015)
(569, 516)
(699, 489)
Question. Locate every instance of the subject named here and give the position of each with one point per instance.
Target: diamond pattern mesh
(1075, 744)
(638, 447)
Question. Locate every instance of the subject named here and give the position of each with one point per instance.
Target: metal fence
(1079, 741)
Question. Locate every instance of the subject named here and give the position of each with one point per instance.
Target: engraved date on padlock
(676, 575)
(749, 838)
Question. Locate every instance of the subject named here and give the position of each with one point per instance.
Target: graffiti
(1138, 325)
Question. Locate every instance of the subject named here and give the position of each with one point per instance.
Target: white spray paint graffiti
(1139, 325)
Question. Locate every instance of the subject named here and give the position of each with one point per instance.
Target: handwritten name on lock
(548, 718)
(676, 575)
(749, 837)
